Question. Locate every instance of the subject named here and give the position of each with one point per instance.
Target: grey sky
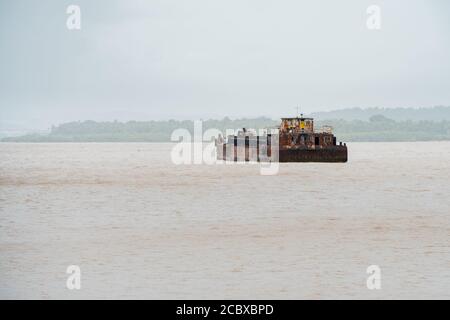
(207, 58)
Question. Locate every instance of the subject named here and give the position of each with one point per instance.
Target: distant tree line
(380, 128)
(377, 128)
(134, 131)
(437, 113)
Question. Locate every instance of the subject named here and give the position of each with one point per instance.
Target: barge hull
(332, 154)
(329, 154)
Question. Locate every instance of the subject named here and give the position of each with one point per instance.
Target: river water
(139, 226)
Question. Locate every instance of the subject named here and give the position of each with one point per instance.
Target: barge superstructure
(295, 140)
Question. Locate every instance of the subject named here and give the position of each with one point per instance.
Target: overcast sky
(193, 59)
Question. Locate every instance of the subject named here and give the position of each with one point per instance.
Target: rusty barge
(295, 140)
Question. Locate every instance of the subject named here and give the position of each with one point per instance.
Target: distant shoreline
(349, 125)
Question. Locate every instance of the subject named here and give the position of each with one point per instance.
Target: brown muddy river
(139, 226)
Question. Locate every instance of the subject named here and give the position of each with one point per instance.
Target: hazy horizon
(436, 113)
(158, 60)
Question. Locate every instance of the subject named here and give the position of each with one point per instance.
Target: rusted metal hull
(337, 153)
(329, 154)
